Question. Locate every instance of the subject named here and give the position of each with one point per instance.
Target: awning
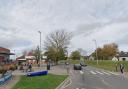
(7, 53)
(21, 59)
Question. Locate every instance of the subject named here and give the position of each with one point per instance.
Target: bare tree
(57, 42)
(24, 52)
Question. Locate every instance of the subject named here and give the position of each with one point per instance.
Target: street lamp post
(96, 51)
(40, 46)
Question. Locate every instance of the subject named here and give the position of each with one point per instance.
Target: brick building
(5, 55)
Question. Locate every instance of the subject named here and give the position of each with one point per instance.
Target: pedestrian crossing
(80, 88)
(102, 73)
(93, 72)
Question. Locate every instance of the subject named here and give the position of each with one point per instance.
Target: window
(123, 59)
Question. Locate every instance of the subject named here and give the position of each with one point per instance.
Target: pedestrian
(25, 68)
(68, 67)
(30, 67)
(122, 68)
(38, 64)
(116, 67)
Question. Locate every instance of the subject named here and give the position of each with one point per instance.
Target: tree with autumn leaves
(107, 51)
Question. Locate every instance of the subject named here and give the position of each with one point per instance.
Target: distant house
(122, 56)
(5, 55)
(29, 58)
(91, 57)
(20, 60)
(115, 59)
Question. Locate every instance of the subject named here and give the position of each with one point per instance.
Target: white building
(115, 59)
(122, 56)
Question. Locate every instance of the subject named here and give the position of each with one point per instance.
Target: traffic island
(49, 81)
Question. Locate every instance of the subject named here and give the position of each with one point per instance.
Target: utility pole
(40, 47)
(96, 51)
(15, 54)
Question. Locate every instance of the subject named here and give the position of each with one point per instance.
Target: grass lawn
(40, 82)
(104, 64)
(108, 64)
(75, 61)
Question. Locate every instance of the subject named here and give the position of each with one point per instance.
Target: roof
(21, 57)
(4, 50)
(123, 54)
(7, 53)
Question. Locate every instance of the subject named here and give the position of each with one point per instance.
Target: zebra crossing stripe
(80, 88)
(93, 72)
(106, 73)
(99, 73)
(103, 72)
(114, 73)
(81, 72)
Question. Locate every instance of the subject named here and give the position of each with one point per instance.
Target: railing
(5, 78)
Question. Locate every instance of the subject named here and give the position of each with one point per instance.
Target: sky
(106, 21)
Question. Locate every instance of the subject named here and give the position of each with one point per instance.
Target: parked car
(83, 64)
(77, 67)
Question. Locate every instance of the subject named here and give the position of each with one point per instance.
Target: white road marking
(68, 84)
(113, 73)
(93, 72)
(105, 82)
(81, 72)
(99, 73)
(106, 73)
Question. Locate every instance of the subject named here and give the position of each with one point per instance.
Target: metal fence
(5, 78)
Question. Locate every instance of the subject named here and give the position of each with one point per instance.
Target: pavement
(58, 70)
(94, 78)
(9, 84)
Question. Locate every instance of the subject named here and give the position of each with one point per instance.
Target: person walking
(122, 68)
(116, 67)
(30, 67)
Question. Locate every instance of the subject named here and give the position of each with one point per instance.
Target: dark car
(83, 64)
(77, 67)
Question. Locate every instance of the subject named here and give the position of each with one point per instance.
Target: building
(122, 56)
(5, 55)
(28, 58)
(115, 59)
(20, 60)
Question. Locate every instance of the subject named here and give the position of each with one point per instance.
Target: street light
(96, 51)
(40, 46)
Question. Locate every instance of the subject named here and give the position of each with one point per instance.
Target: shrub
(3, 70)
(12, 67)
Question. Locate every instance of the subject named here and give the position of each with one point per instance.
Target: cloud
(20, 21)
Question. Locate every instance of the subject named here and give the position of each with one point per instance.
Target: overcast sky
(103, 20)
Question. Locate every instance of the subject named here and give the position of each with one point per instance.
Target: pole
(40, 47)
(96, 52)
(15, 54)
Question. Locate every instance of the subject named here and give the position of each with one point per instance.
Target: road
(93, 78)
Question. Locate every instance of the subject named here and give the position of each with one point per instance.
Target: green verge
(108, 64)
(49, 81)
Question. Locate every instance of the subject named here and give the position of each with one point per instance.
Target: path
(10, 83)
